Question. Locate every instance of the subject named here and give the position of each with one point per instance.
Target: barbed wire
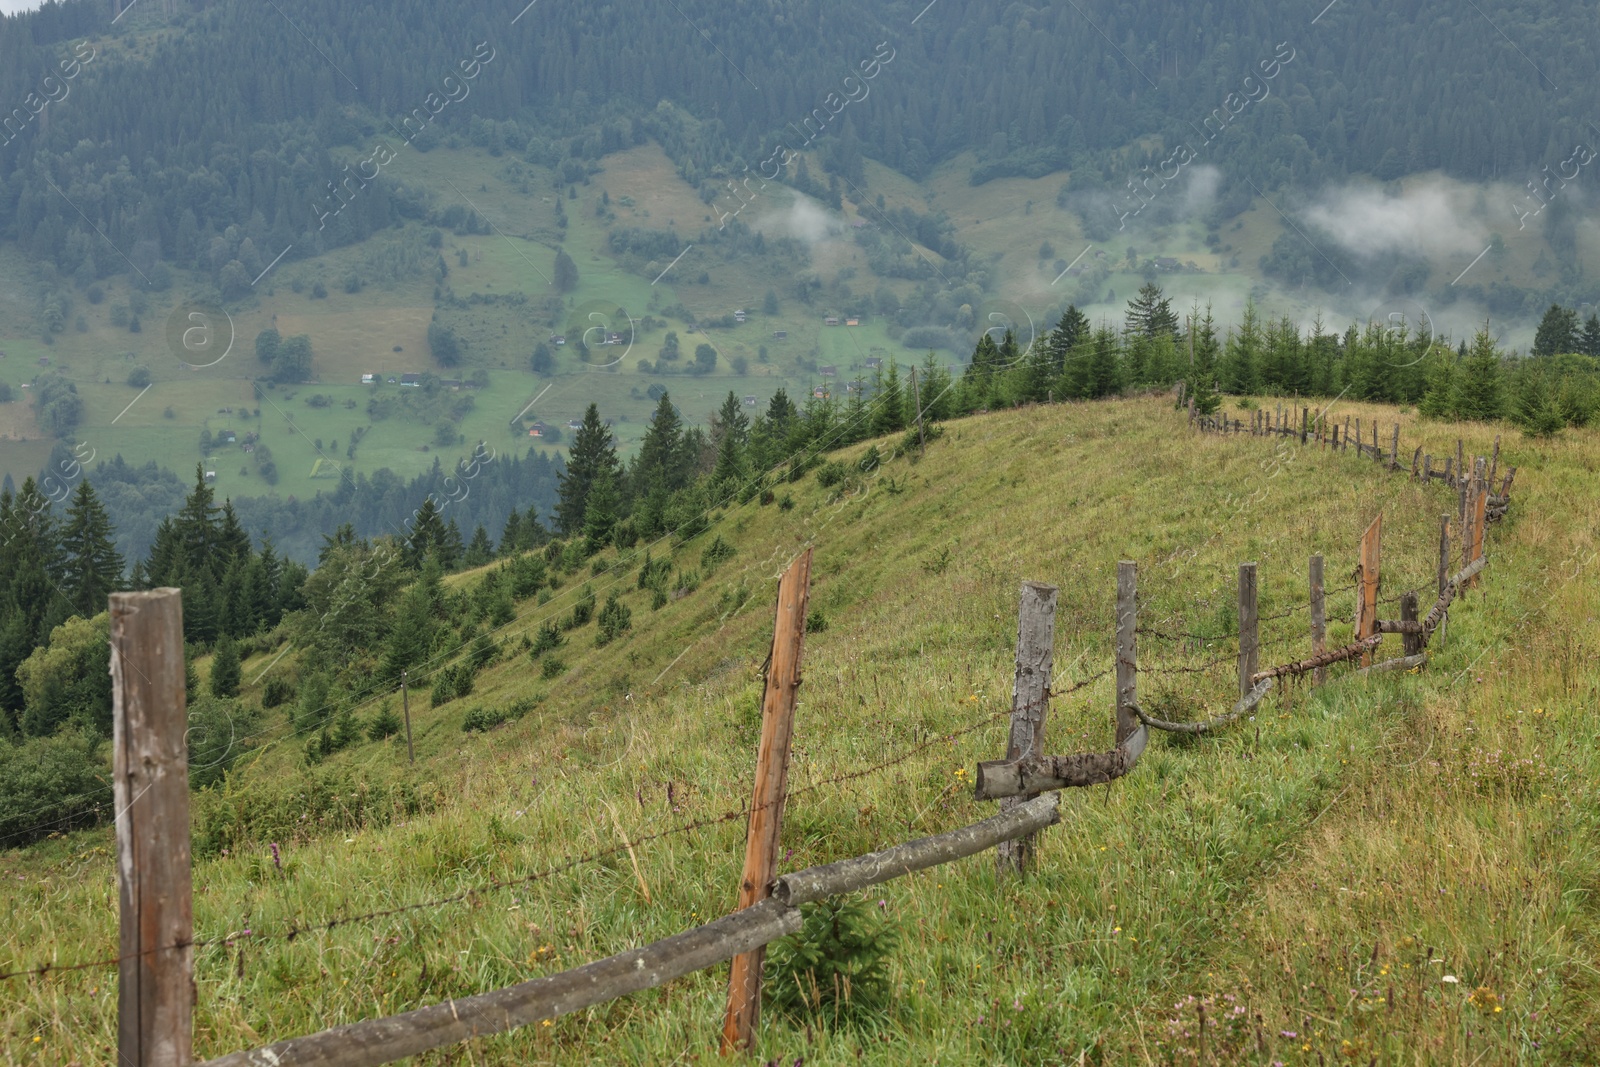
(568, 863)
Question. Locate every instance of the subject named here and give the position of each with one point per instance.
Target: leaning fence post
(1249, 635)
(1367, 593)
(766, 806)
(1030, 705)
(1127, 650)
(1319, 618)
(150, 788)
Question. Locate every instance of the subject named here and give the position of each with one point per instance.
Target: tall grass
(1298, 889)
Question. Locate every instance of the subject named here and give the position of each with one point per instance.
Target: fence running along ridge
(156, 986)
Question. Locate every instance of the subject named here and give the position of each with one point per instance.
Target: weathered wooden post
(1359, 439)
(150, 788)
(1367, 593)
(1319, 618)
(1494, 462)
(1249, 629)
(1127, 649)
(1305, 424)
(1415, 456)
(405, 705)
(1427, 468)
(916, 398)
(1444, 569)
(1478, 519)
(766, 806)
(1347, 432)
(1030, 705)
(1410, 643)
(1394, 448)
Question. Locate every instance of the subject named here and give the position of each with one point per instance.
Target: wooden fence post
(766, 806)
(1305, 424)
(150, 788)
(1030, 705)
(1319, 618)
(1127, 649)
(1410, 644)
(1478, 518)
(916, 398)
(1249, 628)
(1367, 593)
(405, 705)
(1394, 448)
(1359, 439)
(1494, 463)
(1444, 569)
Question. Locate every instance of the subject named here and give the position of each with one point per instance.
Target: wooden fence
(156, 992)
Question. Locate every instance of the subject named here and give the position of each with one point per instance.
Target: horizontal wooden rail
(1399, 626)
(1321, 659)
(846, 876)
(1245, 704)
(1402, 663)
(1014, 778)
(1452, 587)
(378, 1041)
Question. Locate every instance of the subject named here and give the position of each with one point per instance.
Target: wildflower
(1452, 979)
(276, 862)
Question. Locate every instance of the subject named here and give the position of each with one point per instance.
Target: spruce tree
(1557, 332)
(1478, 393)
(593, 451)
(225, 670)
(1537, 411)
(511, 534)
(600, 518)
(480, 551)
(1589, 343)
(92, 567)
(889, 404)
(411, 639)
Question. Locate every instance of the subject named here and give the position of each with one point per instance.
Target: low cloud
(804, 219)
(1425, 220)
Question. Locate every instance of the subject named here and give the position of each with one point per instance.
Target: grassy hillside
(1401, 869)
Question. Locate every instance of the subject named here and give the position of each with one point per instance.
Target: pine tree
(593, 451)
(450, 547)
(1478, 393)
(1150, 314)
(1439, 400)
(665, 462)
(1557, 332)
(225, 670)
(1105, 370)
(198, 528)
(511, 535)
(92, 565)
(1240, 371)
(600, 517)
(1537, 411)
(411, 639)
(889, 403)
(566, 278)
(480, 551)
(427, 534)
(1589, 343)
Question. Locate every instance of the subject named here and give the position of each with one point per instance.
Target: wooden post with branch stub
(1030, 704)
(1249, 627)
(1319, 617)
(1410, 643)
(1127, 650)
(1444, 567)
(1494, 462)
(1367, 591)
(766, 806)
(150, 786)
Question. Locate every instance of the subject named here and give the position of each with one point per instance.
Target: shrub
(481, 718)
(831, 474)
(716, 552)
(547, 640)
(278, 691)
(527, 575)
(786, 503)
(553, 668)
(218, 732)
(51, 783)
(582, 611)
(385, 724)
(615, 620)
(658, 598)
(451, 684)
(484, 651)
(836, 966)
(816, 622)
